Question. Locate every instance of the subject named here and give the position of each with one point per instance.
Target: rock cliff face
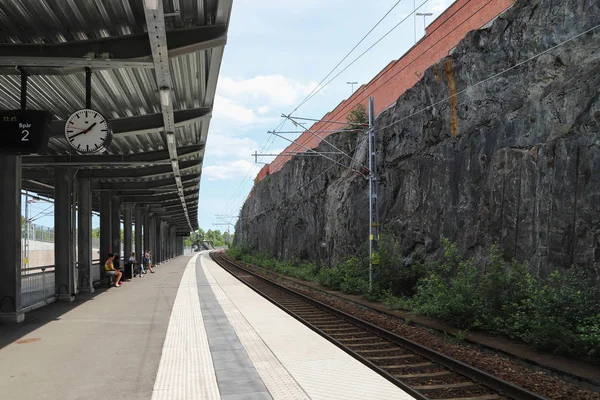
(514, 160)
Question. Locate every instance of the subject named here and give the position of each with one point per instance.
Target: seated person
(141, 266)
(109, 267)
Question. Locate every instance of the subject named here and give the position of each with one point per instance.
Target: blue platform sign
(24, 131)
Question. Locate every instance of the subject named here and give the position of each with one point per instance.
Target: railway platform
(189, 331)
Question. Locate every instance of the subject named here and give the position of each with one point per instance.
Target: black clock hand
(91, 126)
(85, 131)
(75, 135)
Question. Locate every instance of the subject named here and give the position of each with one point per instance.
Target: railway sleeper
(356, 338)
(392, 357)
(354, 333)
(424, 375)
(342, 331)
(446, 386)
(368, 344)
(408, 366)
(484, 397)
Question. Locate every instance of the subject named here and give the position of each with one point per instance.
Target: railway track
(422, 372)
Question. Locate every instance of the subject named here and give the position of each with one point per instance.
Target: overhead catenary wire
(296, 192)
(367, 50)
(282, 161)
(340, 62)
(309, 96)
(322, 155)
(250, 171)
(491, 77)
(436, 103)
(366, 93)
(322, 139)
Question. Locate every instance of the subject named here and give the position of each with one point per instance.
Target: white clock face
(87, 131)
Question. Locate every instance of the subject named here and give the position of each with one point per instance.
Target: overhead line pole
(373, 200)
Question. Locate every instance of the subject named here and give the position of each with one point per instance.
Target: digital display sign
(24, 131)
(182, 234)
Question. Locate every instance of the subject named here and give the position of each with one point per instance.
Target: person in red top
(109, 267)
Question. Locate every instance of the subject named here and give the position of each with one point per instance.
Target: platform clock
(87, 131)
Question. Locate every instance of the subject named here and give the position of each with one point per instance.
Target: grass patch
(559, 313)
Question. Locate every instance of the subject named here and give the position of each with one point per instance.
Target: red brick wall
(442, 35)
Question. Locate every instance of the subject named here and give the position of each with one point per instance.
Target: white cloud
(227, 170)
(275, 89)
(263, 110)
(227, 146)
(232, 112)
(440, 5)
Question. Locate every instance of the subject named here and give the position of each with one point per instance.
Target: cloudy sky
(277, 53)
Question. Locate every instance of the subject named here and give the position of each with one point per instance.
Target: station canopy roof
(135, 49)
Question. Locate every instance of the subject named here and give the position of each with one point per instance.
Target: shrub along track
(420, 371)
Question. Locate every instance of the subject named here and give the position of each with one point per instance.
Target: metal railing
(37, 287)
(38, 233)
(41, 233)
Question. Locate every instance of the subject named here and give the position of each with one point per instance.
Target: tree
(96, 232)
(358, 118)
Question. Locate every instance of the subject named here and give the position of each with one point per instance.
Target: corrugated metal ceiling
(117, 93)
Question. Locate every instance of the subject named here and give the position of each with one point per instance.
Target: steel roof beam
(135, 46)
(158, 38)
(63, 65)
(152, 191)
(160, 156)
(156, 198)
(146, 172)
(149, 185)
(114, 173)
(190, 203)
(143, 124)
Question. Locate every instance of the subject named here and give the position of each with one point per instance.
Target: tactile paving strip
(320, 368)
(186, 368)
(276, 378)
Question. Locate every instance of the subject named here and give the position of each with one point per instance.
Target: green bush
(331, 278)
(354, 285)
(237, 252)
(560, 313)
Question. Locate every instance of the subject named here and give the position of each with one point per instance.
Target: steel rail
(496, 384)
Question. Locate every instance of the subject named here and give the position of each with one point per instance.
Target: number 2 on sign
(25, 134)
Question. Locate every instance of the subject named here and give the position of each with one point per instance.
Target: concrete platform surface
(105, 345)
(191, 331)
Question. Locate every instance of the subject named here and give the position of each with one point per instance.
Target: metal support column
(115, 221)
(373, 201)
(127, 245)
(10, 245)
(165, 234)
(146, 218)
(139, 252)
(64, 271)
(152, 242)
(105, 226)
(84, 236)
(172, 241)
(158, 242)
(73, 236)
